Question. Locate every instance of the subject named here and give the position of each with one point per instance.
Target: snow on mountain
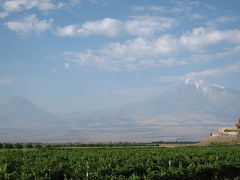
(224, 101)
(203, 86)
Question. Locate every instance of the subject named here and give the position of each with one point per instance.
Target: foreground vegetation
(217, 162)
(75, 145)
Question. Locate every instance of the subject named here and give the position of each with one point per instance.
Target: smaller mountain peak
(19, 99)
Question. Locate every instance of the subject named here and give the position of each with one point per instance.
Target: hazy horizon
(102, 108)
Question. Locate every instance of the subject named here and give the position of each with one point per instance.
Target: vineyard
(121, 163)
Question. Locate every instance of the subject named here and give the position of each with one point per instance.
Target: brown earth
(218, 139)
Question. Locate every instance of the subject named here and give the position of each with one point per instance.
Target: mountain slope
(21, 113)
(190, 97)
(189, 111)
(225, 102)
(193, 97)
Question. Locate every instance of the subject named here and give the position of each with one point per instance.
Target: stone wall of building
(228, 131)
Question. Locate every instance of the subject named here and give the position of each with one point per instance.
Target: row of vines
(128, 163)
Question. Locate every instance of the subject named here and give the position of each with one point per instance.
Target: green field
(217, 162)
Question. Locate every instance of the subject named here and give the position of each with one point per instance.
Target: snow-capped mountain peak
(195, 83)
(203, 86)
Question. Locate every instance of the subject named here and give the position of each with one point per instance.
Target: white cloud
(107, 26)
(205, 73)
(134, 54)
(3, 14)
(148, 25)
(170, 79)
(213, 24)
(53, 70)
(28, 25)
(144, 93)
(76, 1)
(144, 26)
(166, 50)
(137, 25)
(226, 19)
(161, 9)
(196, 16)
(233, 68)
(70, 30)
(66, 65)
(204, 57)
(20, 5)
(201, 37)
(5, 80)
(177, 10)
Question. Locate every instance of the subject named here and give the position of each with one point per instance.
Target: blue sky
(90, 54)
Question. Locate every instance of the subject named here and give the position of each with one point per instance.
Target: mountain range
(189, 111)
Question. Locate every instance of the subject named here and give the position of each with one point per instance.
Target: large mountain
(189, 111)
(193, 97)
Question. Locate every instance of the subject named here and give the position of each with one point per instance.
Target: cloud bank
(232, 68)
(137, 25)
(10, 6)
(29, 24)
(166, 50)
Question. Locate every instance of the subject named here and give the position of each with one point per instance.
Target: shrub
(18, 145)
(29, 145)
(8, 146)
(38, 146)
